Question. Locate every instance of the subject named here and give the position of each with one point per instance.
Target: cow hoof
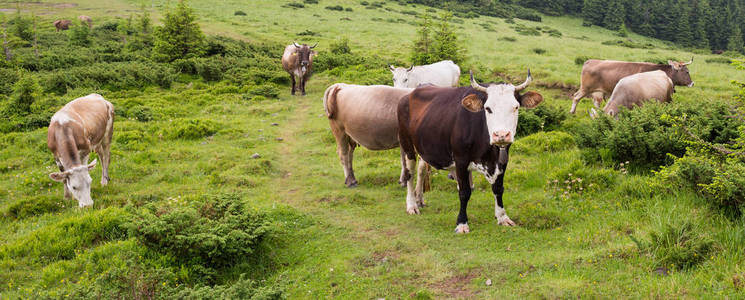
(413, 210)
(451, 176)
(505, 221)
(351, 183)
(402, 183)
(303, 93)
(462, 228)
(104, 181)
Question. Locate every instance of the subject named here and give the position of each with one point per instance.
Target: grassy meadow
(329, 241)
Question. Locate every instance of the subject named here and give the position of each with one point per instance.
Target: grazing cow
(62, 24)
(86, 19)
(82, 125)
(466, 128)
(635, 89)
(599, 77)
(363, 115)
(444, 73)
(298, 61)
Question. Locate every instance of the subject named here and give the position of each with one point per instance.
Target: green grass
(331, 241)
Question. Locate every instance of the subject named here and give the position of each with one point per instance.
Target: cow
(86, 19)
(62, 25)
(82, 125)
(445, 73)
(634, 89)
(599, 77)
(298, 61)
(365, 116)
(463, 128)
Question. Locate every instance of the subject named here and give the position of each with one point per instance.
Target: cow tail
(329, 100)
(426, 178)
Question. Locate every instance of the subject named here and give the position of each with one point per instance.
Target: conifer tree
(735, 42)
(180, 35)
(614, 15)
(593, 12)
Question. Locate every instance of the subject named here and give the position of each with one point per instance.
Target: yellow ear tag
(294, 53)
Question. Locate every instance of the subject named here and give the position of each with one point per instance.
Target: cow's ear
(391, 68)
(472, 103)
(675, 64)
(59, 176)
(530, 99)
(92, 164)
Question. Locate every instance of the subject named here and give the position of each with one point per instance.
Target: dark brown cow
(298, 62)
(466, 128)
(85, 124)
(86, 19)
(62, 24)
(599, 77)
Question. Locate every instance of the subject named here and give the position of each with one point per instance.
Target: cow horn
(410, 68)
(475, 85)
(296, 45)
(525, 84)
(690, 62)
(314, 45)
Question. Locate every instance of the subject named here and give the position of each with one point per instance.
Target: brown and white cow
(86, 19)
(363, 115)
(466, 128)
(62, 24)
(634, 90)
(298, 62)
(599, 77)
(83, 125)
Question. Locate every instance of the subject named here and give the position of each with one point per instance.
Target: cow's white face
(401, 77)
(501, 109)
(78, 182)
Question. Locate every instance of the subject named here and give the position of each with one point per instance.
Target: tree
(420, 49)
(79, 35)
(615, 15)
(436, 42)
(593, 12)
(22, 27)
(735, 42)
(180, 35)
(25, 92)
(700, 18)
(683, 35)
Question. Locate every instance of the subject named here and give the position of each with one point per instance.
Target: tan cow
(363, 115)
(634, 90)
(298, 62)
(82, 125)
(599, 77)
(86, 19)
(62, 24)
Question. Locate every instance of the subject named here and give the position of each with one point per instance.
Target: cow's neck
(67, 149)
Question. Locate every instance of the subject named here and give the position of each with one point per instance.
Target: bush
(525, 30)
(190, 129)
(8, 78)
(140, 113)
(348, 9)
(539, 50)
(341, 46)
(310, 1)
(308, 32)
(295, 5)
(719, 60)
(34, 206)
(242, 289)
(507, 39)
(628, 44)
(25, 92)
(266, 90)
(644, 137)
(112, 76)
(545, 142)
(213, 233)
(180, 35)
(239, 13)
(528, 123)
(79, 35)
(335, 7)
(679, 246)
(580, 60)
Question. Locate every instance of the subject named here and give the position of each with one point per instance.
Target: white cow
(444, 73)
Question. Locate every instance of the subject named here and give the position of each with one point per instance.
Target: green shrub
(244, 288)
(295, 5)
(539, 50)
(507, 39)
(340, 46)
(578, 179)
(8, 78)
(528, 123)
(525, 30)
(719, 60)
(308, 32)
(266, 90)
(348, 9)
(180, 35)
(676, 245)
(80, 35)
(580, 60)
(140, 113)
(112, 76)
(335, 7)
(190, 129)
(628, 44)
(310, 1)
(34, 206)
(25, 92)
(239, 13)
(213, 233)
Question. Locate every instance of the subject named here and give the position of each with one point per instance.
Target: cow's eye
(488, 110)
(405, 80)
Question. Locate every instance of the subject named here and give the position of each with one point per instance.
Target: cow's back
(289, 61)
(603, 75)
(93, 113)
(445, 73)
(636, 88)
(368, 113)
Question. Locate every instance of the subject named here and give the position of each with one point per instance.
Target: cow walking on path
(465, 128)
(82, 125)
(365, 116)
(599, 77)
(297, 60)
(445, 73)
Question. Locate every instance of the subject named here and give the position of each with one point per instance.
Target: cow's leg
(345, 150)
(104, 154)
(292, 78)
(575, 100)
(464, 193)
(402, 179)
(498, 189)
(422, 180)
(302, 85)
(412, 207)
(68, 194)
(597, 98)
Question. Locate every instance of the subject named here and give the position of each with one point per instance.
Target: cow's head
(77, 181)
(305, 55)
(679, 73)
(501, 107)
(401, 76)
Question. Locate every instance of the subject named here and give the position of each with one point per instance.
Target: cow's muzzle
(501, 138)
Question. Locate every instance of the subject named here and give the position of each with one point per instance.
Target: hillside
(183, 154)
